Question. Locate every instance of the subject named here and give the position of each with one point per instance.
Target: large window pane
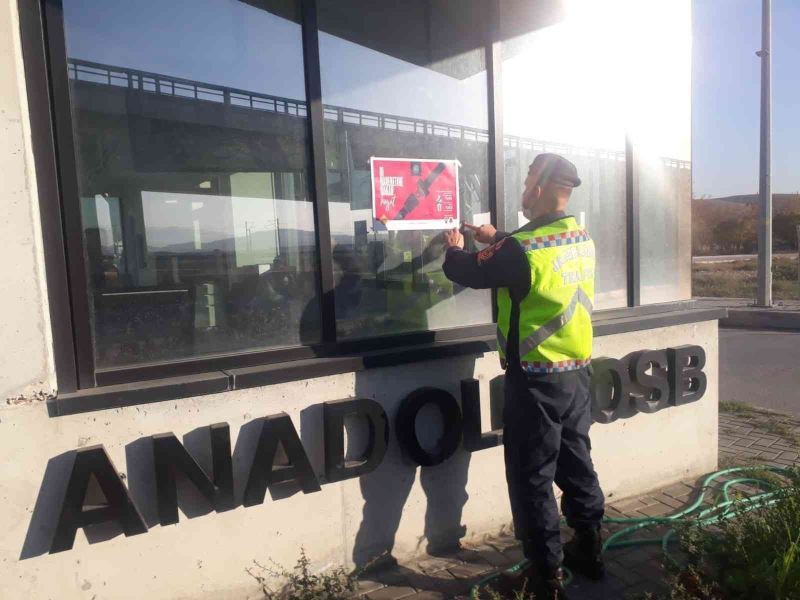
(402, 80)
(660, 128)
(190, 129)
(562, 93)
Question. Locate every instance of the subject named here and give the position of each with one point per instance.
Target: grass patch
(735, 408)
(755, 555)
(737, 279)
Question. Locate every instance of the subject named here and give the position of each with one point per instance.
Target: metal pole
(798, 253)
(764, 180)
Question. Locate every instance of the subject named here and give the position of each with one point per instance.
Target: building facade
(217, 354)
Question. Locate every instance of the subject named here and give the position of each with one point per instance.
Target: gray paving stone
(364, 586)
(428, 595)
(488, 555)
(431, 564)
(515, 554)
(469, 570)
(391, 593)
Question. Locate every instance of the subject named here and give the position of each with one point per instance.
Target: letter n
(119, 508)
(169, 456)
(263, 472)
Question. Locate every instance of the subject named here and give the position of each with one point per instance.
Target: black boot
(530, 582)
(583, 553)
(550, 586)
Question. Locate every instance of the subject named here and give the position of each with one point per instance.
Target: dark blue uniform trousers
(546, 436)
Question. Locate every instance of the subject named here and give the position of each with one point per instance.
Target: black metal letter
(263, 472)
(610, 388)
(119, 508)
(407, 420)
(687, 381)
(655, 386)
(169, 455)
(474, 438)
(337, 467)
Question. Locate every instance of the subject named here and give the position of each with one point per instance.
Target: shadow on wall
(386, 490)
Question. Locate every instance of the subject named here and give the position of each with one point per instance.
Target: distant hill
(727, 225)
(780, 202)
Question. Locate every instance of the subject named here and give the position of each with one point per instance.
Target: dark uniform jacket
(501, 265)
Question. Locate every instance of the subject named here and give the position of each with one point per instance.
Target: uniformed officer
(544, 275)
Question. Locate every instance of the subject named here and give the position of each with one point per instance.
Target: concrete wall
(26, 372)
(205, 556)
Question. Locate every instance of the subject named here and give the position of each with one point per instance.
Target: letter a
(120, 508)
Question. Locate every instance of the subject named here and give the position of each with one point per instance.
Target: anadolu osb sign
(646, 381)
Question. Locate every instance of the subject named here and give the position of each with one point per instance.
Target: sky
(726, 96)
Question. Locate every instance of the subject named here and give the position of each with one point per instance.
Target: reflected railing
(166, 85)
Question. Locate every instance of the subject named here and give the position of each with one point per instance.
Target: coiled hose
(721, 510)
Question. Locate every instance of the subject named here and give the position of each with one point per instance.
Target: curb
(784, 320)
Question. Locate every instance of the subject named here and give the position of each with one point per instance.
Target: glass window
(403, 81)
(562, 93)
(659, 114)
(190, 129)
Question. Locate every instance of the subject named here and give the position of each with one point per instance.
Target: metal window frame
(633, 250)
(44, 51)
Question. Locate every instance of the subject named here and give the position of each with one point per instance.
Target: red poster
(415, 193)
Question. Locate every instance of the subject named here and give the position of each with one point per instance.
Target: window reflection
(391, 89)
(660, 127)
(562, 94)
(192, 159)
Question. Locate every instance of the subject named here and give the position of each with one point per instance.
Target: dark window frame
(41, 24)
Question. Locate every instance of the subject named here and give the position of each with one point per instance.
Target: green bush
(755, 555)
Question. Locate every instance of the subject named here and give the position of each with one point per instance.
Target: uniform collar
(543, 220)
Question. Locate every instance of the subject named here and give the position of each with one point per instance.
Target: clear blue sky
(726, 96)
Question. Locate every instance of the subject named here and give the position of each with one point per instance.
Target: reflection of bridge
(122, 77)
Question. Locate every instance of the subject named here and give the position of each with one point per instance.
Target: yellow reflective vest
(554, 325)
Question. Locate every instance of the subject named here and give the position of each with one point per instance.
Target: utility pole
(765, 164)
(798, 254)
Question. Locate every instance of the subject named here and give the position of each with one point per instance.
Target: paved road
(726, 258)
(761, 368)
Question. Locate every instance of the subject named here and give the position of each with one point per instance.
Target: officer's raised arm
(503, 264)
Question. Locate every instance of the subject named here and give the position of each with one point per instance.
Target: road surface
(726, 258)
(760, 368)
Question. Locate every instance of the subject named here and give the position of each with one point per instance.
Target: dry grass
(737, 279)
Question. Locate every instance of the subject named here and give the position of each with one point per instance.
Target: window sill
(609, 322)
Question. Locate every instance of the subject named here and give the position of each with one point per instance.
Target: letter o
(610, 390)
(406, 422)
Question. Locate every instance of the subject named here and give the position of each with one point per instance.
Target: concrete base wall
(397, 505)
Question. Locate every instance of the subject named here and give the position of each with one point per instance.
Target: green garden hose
(723, 509)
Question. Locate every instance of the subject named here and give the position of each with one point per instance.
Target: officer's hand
(483, 233)
(453, 238)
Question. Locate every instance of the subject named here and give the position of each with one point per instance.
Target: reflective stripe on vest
(556, 323)
(502, 342)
